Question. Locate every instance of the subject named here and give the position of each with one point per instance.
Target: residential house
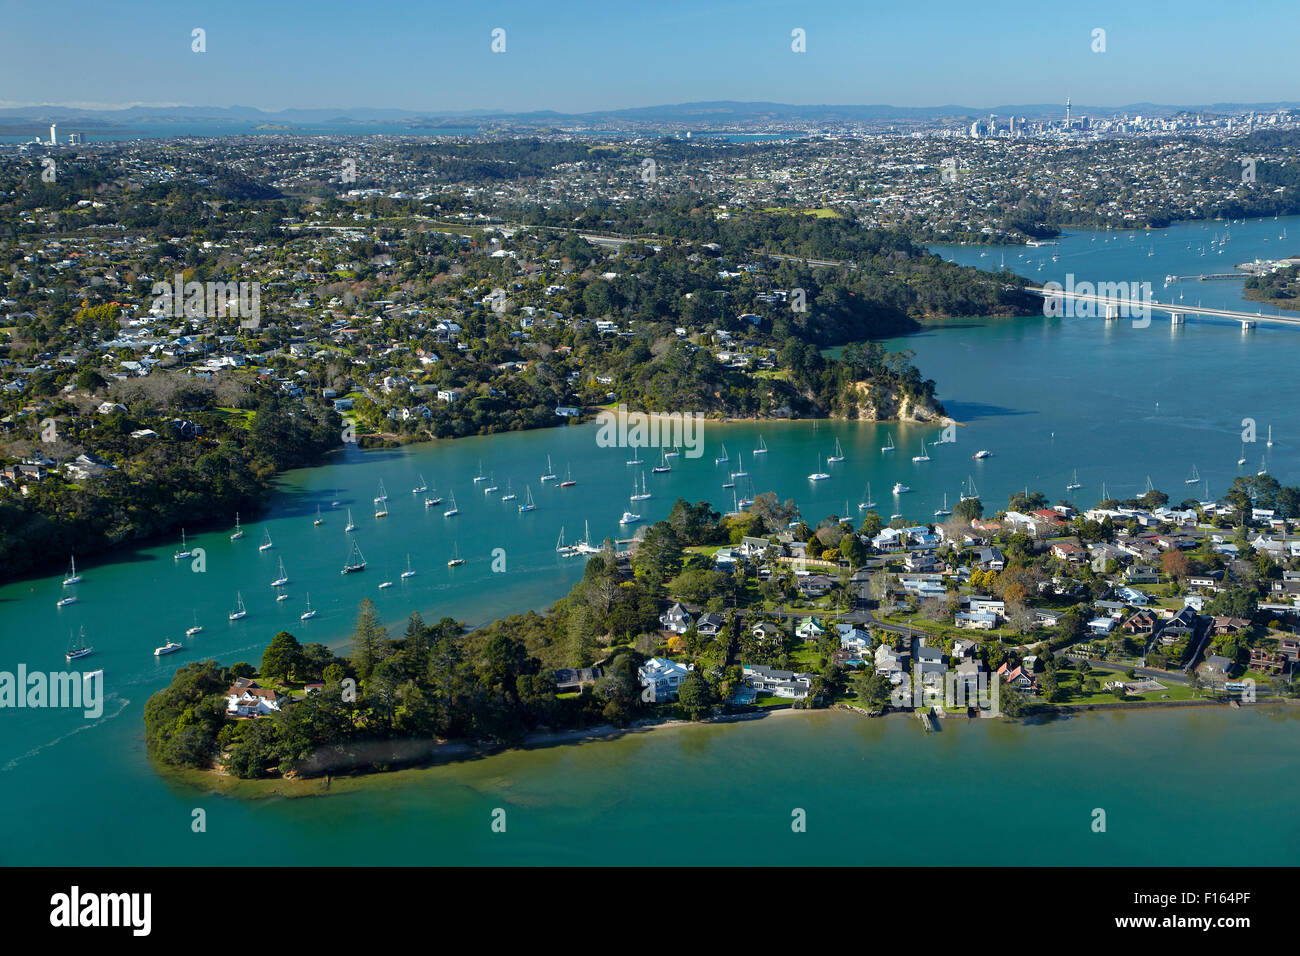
(676, 619)
(660, 678)
(780, 683)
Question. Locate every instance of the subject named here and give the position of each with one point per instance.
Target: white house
(660, 678)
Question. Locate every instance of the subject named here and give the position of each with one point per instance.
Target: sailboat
(635, 459)
(319, 520)
(585, 546)
(383, 495)
(1150, 487)
(239, 611)
(971, 494)
(550, 472)
(528, 500)
(944, 510)
(663, 465)
(866, 502)
(453, 510)
(480, 476)
(722, 459)
(335, 502)
(456, 559)
(923, 456)
(239, 532)
(266, 544)
(746, 501)
(742, 473)
(433, 500)
(890, 446)
(356, 561)
(352, 525)
(385, 584)
(381, 503)
(643, 495)
(196, 629)
(421, 488)
(491, 485)
(818, 475)
(73, 577)
(1242, 459)
(510, 492)
(308, 614)
(184, 552)
(565, 550)
(762, 446)
(1263, 466)
(568, 481)
(1074, 482)
(1194, 478)
(283, 579)
(839, 454)
(80, 650)
(64, 602)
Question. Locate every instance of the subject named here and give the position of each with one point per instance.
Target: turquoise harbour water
(1045, 396)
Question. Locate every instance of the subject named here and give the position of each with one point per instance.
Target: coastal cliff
(868, 402)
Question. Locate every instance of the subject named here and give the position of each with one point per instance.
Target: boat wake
(57, 740)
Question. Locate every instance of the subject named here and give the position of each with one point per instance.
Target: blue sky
(575, 55)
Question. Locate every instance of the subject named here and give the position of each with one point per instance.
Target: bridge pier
(1112, 313)
(1247, 324)
(1176, 318)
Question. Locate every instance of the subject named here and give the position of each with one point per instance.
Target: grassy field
(237, 417)
(1068, 679)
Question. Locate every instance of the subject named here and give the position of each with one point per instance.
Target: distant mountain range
(702, 115)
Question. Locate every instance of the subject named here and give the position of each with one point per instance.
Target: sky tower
(1067, 112)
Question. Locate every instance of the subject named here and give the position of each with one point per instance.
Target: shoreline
(134, 549)
(414, 756)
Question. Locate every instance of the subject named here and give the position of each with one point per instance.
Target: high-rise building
(53, 137)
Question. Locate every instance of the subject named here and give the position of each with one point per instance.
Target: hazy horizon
(581, 56)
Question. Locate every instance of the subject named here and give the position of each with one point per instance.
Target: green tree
(282, 658)
(695, 696)
(368, 637)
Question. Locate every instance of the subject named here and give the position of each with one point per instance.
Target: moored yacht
(81, 649)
